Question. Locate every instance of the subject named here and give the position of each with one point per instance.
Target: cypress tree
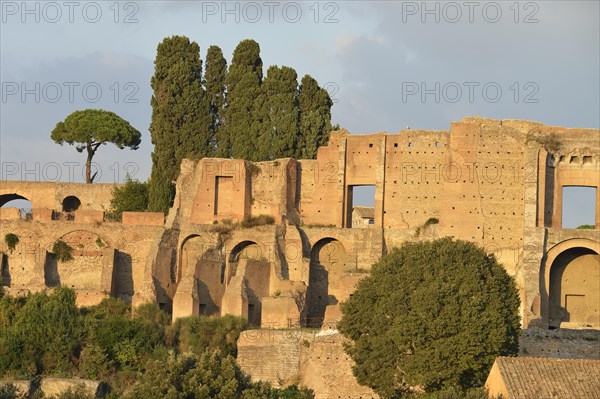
(280, 90)
(243, 113)
(315, 118)
(214, 82)
(181, 121)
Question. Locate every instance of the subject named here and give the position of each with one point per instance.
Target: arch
(85, 270)
(21, 203)
(570, 272)
(201, 262)
(6, 198)
(70, 203)
(327, 262)
(246, 249)
(249, 259)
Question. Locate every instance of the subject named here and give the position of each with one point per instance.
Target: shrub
(431, 221)
(11, 241)
(94, 362)
(77, 393)
(587, 227)
(197, 334)
(208, 375)
(125, 340)
(260, 220)
(435, 314)
(44, 334)
(63, 251)
(131, 197)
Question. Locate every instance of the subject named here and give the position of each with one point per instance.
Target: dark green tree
(279, 137)
(214, 82)
(181, 120)
(432, 314)
(315, 118)
(131, 197)
(244, 115)
(89, 129)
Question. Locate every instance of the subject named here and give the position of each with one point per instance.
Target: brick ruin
(496, 183)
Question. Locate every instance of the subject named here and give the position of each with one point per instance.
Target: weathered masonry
(497, 183)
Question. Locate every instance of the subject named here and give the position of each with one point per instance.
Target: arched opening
(84, 271)
(327, 262)
(70, 204)
(247, 258)
(574, 300)
(4, 270)
(202, 259)
(17, 201)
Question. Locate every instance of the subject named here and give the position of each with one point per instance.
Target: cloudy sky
(386, 64)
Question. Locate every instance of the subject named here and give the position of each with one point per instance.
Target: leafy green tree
(181, 120)
(214, 82)
(44, 334)
(279, 136)
(126, 341)
(91, 128)
(131, 197)
(432, 314)
(315, 118)
(244, 113)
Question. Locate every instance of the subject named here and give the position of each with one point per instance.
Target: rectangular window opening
(360, 206)
(579, 207)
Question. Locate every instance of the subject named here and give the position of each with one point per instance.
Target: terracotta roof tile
(364, 211)
(545, 378)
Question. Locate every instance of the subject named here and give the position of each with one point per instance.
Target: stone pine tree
(244, 118)
(181, 119)
(280, 90)
(214, 82)
(315, 118)
(89, 129)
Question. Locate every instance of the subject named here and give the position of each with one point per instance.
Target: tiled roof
(544, 378)
(364, 211)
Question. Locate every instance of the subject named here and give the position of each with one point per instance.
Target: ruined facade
(491, 182)
(496, 183)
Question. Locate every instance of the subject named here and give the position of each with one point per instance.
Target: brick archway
(562, 280)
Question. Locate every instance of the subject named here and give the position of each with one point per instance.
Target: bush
(208, 375)
(131, 197)
(11, 241)
(431, 314)
(126, 341)
(78, 393)
(198, 334)
(43, 335)
(63, 251)
(260, 220)
(587, 227)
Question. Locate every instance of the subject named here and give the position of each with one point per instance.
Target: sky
(386, 64)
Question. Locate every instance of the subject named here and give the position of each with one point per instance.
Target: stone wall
(303, 357)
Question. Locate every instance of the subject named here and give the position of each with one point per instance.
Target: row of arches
(70, 203)
(212, 273)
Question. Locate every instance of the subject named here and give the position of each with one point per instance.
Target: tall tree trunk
(88, 164)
